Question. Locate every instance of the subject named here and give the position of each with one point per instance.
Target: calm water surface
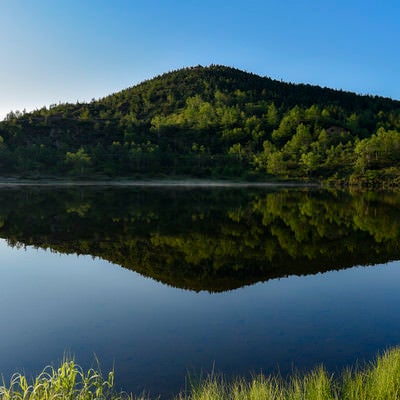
(190, 313)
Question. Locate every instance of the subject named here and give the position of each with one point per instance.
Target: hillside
(210, 122)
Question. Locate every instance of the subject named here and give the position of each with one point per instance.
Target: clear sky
(69, 50)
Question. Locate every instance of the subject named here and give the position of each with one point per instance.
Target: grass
(68, 382)
(378, 380)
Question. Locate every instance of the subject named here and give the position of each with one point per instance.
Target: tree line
(210, 122)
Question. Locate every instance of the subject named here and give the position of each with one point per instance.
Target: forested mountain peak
(213, 121)
(169, 91)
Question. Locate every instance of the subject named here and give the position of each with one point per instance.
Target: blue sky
(54, 51)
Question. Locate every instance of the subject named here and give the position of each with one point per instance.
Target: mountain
(211, 121)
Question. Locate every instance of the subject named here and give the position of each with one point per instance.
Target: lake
(162, 282)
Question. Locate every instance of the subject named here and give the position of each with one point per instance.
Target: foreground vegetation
(69, 381)
(379, 380)
(210, 122)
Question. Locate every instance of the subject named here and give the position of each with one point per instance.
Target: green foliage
(299, 143)
(315, 131)
(272, 116)
(379, 380)
(380, 150)
(69, 381)
(79, 161)
(309, 162)
(276, 165)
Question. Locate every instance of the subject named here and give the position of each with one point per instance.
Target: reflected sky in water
(155, 334)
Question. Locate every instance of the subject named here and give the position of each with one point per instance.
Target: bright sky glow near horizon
(64, 51)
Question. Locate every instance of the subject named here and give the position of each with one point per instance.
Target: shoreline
(190, 183)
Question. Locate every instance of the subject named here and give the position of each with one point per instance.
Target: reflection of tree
(208, 239)
(81, 209)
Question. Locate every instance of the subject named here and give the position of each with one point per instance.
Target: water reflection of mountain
(204, 239)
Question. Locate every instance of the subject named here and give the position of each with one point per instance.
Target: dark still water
(162, 282)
